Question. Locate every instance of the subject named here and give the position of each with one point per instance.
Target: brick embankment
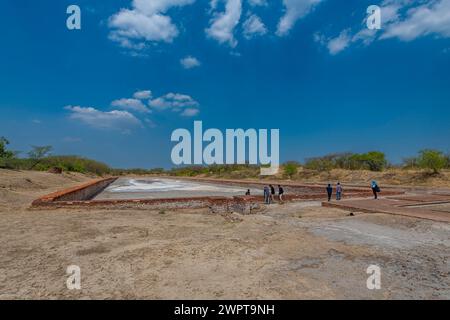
(82, 192)
(241, 204)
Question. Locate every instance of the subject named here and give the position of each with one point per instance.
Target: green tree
(38, 153)
(375, 160)
(290, 169)
(5, 154)
(432, 159)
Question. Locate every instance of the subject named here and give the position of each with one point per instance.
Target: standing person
(329, 191)
(280, 193)
(272, 193)
(338, 191)
(375, 189)
(266, 195)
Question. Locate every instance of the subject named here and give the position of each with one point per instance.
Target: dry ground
(388, 177)
(392, 176)
(291, 251)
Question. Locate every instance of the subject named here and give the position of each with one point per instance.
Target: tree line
(41, 158)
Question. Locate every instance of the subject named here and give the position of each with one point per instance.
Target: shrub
(290, 169)
(374, 161)
(319, 164)
(447, 161)
(432, 159)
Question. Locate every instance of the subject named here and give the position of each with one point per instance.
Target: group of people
(374, 185)
(269, 193)
(338, 191)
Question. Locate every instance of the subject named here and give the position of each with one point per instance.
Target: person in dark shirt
(280, 193)
(272, 193)
(248, 192)
(329, 191)
(266, 194)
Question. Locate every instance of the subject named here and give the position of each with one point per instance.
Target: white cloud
(174, 101)
(189, 62)
(142, 95)
(405, 20)
(130, 104)
(146, 21)
(426, 19)
(223, 24)
(190, 112)
(149, 7)
(122, 120)
(294, 10)
(255, 3)
(253, 26)
(334, 45)
(339, 43)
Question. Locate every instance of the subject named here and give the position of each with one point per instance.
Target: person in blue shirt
(338, 191)
(375, 189)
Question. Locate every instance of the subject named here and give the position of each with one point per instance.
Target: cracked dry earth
(290, 251)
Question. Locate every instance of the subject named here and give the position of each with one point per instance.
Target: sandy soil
(290, 251)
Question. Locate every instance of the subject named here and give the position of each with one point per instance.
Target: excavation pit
(163, 193)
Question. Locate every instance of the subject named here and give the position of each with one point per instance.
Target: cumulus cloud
(142, 95)
(130, 104)
(121, 120)
(190, 112)
(189, 62)
(223, 23)
(124, 121)
(145, 22)
(174, 101)
(294, 10)
(135, 103)
(253, 26)
(180, 103)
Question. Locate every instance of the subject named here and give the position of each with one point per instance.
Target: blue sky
(137, 70)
